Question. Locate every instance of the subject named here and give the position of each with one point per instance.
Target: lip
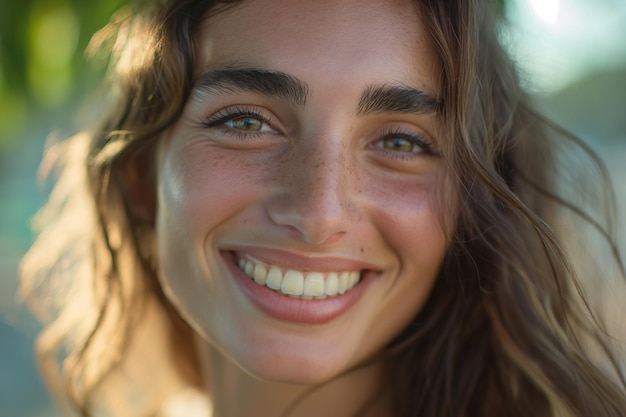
(285, 308)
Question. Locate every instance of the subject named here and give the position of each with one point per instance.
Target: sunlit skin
(317, 180)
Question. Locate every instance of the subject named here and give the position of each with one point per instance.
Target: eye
(404, 144)
(240, 120)
(398, 144)
(248, 124)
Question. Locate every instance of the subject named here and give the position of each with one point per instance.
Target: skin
(321, 185)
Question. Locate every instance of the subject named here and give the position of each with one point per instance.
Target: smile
(306, 285)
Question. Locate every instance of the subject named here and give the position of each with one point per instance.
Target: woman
(317, 208)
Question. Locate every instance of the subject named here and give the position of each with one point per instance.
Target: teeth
(331, 286)
(274, 278)
(260, 274)
(297, 284)
(344, 281)
(354, 279)
(249, 268)
(314, 284)
(293, 283)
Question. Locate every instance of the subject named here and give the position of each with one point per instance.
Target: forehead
(347, 41)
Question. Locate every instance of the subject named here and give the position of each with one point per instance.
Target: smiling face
(297, 223)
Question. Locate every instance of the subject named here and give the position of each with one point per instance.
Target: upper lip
(302, 262)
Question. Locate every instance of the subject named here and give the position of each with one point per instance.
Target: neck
(235, 393)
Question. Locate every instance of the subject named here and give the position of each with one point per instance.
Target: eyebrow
(375, 99)
(398, 99)
(266, 82)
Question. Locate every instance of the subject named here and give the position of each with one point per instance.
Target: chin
(292, 370)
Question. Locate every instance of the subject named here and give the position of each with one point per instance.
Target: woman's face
(297, 223)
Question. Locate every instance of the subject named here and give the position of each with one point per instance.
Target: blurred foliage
(41, 57)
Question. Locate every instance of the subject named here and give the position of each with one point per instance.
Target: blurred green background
(43, 80)
(572, 54)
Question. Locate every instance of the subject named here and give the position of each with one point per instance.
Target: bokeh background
(572, 54)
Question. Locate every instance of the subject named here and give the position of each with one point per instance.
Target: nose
(315, 200)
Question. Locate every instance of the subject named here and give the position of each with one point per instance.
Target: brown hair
(507, 329)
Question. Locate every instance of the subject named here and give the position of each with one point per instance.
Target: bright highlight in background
(547, 10)
(546, 40)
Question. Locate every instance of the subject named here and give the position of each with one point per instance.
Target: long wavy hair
(516, 324)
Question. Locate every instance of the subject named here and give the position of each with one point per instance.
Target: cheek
(200, 188)
(409, 217)
(198, 191)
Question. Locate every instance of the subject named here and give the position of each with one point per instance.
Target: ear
(138, 176)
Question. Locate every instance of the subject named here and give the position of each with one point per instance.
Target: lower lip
(285, 308)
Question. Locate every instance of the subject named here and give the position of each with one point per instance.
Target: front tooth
(260, 274)
(314, 284)
(274, 278)
(293, 283)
